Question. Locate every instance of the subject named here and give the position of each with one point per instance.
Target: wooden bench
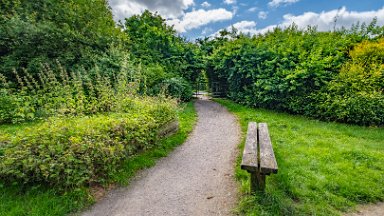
(258, 157)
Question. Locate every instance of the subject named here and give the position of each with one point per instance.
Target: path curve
(369, 210)
(195, 179)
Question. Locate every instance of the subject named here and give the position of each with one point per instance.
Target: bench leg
(257, 182)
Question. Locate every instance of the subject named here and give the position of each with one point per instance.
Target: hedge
(70, 152)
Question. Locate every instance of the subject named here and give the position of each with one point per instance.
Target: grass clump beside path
(32, 199)
(324, 168)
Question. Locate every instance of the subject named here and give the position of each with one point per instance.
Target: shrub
(363, 108)
(179, 88)
(70, 152)
(176, 87)
(356, 94)
(7, 106)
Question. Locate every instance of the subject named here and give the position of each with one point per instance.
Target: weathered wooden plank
(268, 162)
(250, 161)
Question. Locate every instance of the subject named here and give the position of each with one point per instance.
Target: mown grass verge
(42, 200)
(324, 168)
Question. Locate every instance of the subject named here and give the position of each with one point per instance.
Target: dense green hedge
(67, 152)
(356, 95)
(305, 72)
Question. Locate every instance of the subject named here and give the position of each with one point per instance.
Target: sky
(203, 18)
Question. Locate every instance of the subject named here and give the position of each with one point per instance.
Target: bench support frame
(257, 181)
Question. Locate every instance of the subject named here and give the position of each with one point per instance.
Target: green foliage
(161, 83)
(187, 118)
(42, 32)
(67, 94)
(300, 71)
(356, 94)
(73, 151)
(21, 199)
(33, 33)
(6, 100)
(146, 31)
(153, 42)
(179, 88)
(324, 168)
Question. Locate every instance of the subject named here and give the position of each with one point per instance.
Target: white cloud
(122, 9)
(245, 27)
(229, 1)
(206, 31)
(277, 3)
(263, 15)
(253, 9)
(325, 21)
(205, 4)
(198, 18)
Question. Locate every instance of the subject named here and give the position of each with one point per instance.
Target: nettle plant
(63, 94)
(91, 124)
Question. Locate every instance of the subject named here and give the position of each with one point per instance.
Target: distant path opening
(196, 179)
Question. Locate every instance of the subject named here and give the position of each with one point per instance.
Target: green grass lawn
(324, 168)
(38, 200)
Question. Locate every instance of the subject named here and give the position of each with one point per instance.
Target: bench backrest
(258, 152)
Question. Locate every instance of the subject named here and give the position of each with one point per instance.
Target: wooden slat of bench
(249, 161)
(268, 162)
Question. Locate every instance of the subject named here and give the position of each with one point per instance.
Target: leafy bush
(177, 88)
(356, 95)
(268, 70)
(70, 152)
(364, 108)
(304, 72)
(6, 101)
(157, 81)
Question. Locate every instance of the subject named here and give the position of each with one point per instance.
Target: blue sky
(199, 18)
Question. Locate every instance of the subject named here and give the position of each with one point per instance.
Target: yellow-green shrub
(356, 95)
(369, 52)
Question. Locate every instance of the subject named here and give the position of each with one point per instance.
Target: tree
(38, 32)
(152, 41)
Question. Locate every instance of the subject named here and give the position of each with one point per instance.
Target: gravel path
(369, 210)
(196, 179)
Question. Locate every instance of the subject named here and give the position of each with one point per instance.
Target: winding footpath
(196, 179)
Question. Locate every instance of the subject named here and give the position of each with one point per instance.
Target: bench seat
(258, 156)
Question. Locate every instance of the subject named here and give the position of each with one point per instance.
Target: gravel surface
(369, 210)
(196, 179)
